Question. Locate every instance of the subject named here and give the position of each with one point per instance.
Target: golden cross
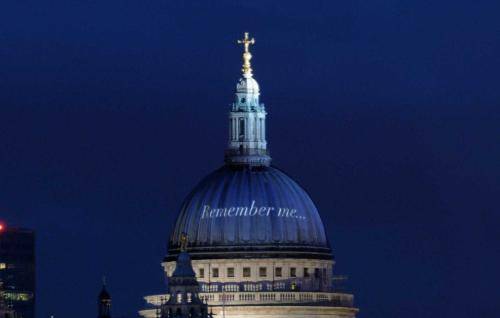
(246, 42)
(247, 68)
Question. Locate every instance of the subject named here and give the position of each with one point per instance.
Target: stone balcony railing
(267, 298)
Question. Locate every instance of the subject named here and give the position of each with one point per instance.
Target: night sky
(386, 111)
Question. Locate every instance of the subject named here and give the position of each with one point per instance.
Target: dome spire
(247, 144)
(247, 56)
(104, 302)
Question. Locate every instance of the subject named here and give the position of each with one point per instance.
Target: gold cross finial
(247, 69)
(246, 42)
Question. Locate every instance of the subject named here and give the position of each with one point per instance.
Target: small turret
(184, 301)
(104, 302)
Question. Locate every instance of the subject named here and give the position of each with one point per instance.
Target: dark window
(278, 272)
(306, 272)
(316, 272)
(246, 272)
(230, 272)
(262, 271)
(243, 100)
(201, 273)
(242, 128)
(293, 272)
(215, 272)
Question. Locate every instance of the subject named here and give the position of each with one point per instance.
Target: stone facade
(251, 270)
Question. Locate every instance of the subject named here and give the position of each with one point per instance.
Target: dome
(247, 85)
(249, 212)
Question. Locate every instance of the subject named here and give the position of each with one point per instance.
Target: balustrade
(242, 298)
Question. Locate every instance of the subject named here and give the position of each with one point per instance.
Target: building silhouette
(17, 270)
(104, 303)
(183, 299)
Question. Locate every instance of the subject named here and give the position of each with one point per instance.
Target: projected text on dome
(252, 210)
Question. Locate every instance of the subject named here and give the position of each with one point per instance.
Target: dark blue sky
(386, 111)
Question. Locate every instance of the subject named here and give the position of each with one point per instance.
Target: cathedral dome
(249, 212)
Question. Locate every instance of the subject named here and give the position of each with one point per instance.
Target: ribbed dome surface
(249, 212)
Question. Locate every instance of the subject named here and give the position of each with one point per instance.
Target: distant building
(17, 270)
(5, 309)
(104, 303)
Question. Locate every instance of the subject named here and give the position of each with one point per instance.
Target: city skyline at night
(386, 113)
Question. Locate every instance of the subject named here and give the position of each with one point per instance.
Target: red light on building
(1, 227)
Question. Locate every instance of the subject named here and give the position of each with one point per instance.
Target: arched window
(241, 125)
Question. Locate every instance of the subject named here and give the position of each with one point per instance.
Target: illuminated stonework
(255, 237)
(247, 119)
